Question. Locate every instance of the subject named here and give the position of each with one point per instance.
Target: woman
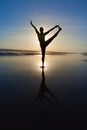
(41, 37)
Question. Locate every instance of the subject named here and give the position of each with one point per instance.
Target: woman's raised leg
(49, 40)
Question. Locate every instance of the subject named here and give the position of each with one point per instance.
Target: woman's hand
(56, 26)
(31, 22)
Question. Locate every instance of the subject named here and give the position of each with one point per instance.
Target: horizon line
(6, 49)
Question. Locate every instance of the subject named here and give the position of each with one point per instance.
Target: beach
(53, 98)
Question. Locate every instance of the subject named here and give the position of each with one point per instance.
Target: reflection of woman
(41, 37)
(45, 90)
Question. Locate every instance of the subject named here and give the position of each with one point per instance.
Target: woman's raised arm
(34, 27)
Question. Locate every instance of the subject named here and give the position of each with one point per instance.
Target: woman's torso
(41, 38)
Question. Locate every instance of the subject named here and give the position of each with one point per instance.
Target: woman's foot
(59, 28)
(42, 66)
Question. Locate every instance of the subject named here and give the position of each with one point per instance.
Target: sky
(17, 33)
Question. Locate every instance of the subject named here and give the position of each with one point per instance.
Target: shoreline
(13, 52)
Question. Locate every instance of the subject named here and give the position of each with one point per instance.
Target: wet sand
(55, 98)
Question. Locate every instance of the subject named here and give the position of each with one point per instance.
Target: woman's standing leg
(43, 56)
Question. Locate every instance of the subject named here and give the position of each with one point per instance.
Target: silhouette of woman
(41, 37)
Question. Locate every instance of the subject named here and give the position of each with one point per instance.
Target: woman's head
(41, 29)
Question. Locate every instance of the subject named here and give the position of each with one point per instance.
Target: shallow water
(55, 98)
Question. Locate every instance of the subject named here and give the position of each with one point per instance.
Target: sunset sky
(17, 33)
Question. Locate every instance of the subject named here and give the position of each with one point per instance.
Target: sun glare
(39, 63)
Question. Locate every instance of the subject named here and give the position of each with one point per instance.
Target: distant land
(85, 53)
(14, 52)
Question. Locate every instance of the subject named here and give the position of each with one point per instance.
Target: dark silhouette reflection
(45, 93)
